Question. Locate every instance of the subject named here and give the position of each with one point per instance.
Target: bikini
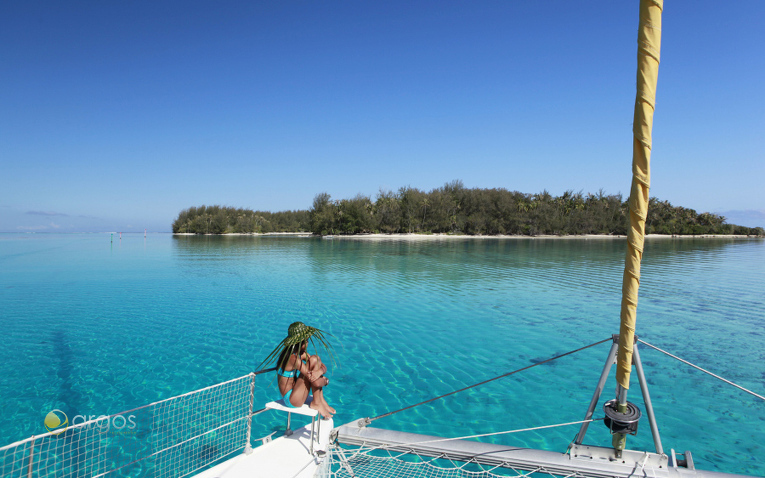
(288, 374)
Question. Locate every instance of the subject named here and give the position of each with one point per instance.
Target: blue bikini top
(290, 374)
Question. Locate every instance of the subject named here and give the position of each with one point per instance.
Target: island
(454, 209)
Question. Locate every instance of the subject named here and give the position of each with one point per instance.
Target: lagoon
(95, 325)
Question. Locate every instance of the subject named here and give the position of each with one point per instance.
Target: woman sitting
(298, 373)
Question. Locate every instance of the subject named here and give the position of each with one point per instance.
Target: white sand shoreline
(307, 234)
(430, 237)
(425, 237)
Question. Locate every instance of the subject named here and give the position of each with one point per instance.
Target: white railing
(166, 439)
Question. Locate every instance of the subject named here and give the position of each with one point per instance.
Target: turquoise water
(94, 327)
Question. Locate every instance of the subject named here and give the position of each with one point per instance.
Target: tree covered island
(454, 209)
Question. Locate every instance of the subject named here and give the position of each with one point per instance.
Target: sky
(115, 116)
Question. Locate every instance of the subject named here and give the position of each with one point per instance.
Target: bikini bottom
(286, 398)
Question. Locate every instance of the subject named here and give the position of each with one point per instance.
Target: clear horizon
(115, 117)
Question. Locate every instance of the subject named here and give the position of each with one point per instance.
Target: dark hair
(287, 351)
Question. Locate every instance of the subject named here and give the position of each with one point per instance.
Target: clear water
(95, 327)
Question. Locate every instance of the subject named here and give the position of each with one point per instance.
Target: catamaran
(208, 433)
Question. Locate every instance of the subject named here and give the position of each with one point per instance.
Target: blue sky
(114, 116)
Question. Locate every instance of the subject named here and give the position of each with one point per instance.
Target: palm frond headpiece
(298, 333)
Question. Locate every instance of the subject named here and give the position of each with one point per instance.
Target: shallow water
(95, 327)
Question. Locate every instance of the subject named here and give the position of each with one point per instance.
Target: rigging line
(312, 460)
(344, 460)
(490, 380)
(705, 371)
(506, 432)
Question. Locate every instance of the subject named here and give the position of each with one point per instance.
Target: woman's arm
(301, 365)
(305, 370)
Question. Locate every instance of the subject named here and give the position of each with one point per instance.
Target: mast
(649, 47)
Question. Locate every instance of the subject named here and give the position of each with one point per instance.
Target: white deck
(286, 456)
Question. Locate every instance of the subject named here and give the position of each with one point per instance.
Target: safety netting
(362, 462)
(166, 439)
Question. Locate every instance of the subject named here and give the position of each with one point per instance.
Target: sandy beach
(299, 234)
(446, 237)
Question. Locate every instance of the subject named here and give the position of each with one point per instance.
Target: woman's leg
(318, 369)
(300, 391)
(317, 384)
(312, 382)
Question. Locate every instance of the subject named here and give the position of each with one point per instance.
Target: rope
(344, 460)
(490, 380)
(705, 371)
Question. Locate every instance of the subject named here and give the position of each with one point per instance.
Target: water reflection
(175, 313)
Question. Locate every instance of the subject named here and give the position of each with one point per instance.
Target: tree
(453, 208)
(413, 208)
(322, 216)
(355, 215)
(387, 212)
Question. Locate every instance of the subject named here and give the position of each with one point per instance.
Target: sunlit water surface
(95, 327)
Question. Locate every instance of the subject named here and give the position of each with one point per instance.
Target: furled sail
(649, 46)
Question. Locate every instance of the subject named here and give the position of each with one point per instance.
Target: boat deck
(286, 456)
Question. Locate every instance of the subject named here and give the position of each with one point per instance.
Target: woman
(299, 373)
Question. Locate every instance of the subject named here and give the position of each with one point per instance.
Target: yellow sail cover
(649, 46)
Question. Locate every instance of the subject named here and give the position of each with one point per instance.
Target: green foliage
(322, 217)
(663, 218)
(387, 210)
(354, 216)
(454, 209)
(414, 205)
(228, 220)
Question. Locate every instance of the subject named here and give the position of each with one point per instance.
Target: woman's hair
(287, 351)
